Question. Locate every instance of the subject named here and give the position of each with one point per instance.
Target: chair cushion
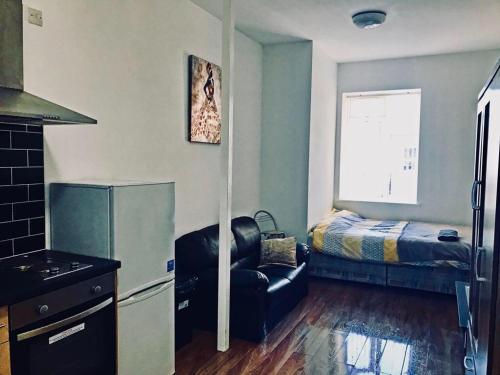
(281, 270)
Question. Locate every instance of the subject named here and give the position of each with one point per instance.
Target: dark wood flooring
(344, 328)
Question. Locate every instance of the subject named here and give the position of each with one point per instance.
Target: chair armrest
(303, 253)
(244, 278)
(240, 279)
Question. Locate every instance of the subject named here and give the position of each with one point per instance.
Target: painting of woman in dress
(205, 98)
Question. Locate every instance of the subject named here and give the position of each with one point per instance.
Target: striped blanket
(346, 234)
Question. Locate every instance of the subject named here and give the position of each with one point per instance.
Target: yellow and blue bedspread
(348, 235)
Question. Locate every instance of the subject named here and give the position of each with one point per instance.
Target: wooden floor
(344, 328)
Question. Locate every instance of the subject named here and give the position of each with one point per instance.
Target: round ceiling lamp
(369, 19)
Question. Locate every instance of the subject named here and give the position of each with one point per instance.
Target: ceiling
(412, 28)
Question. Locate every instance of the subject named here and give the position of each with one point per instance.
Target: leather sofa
(260, 295)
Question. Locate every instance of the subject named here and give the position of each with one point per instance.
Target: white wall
(321, 135)
(450, 85)
(286, 104)
(124, 62)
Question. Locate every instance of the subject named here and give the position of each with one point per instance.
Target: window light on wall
(379, 146)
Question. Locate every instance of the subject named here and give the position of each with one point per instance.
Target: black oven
(55, 335)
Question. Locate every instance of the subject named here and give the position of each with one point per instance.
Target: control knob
(42, 309)
(96, 289)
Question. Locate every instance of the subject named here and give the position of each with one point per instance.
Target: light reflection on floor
(356, 353)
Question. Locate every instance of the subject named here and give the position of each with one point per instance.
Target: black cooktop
(28, 275)
(45, 265)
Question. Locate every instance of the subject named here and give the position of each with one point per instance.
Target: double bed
(398, 253)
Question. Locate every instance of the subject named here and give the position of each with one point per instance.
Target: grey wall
(321, 136)
(126, 64)
(247, 126)
(450, 85)
(286, 99)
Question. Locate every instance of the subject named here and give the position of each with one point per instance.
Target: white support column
(226, 177)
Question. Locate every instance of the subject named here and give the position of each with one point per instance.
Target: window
(379, 146)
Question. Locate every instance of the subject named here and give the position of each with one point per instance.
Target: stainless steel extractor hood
(16, 105)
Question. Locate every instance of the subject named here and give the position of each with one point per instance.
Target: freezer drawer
(146, 332)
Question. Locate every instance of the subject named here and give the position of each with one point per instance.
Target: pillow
(279, 250)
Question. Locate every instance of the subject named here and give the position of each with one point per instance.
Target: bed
(386, 252)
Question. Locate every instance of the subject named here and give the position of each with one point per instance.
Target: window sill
(379, 202)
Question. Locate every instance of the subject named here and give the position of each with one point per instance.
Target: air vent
(51, 117)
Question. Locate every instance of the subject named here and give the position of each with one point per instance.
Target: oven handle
(64, 322)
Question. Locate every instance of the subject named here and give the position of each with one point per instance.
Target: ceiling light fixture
(369, 19)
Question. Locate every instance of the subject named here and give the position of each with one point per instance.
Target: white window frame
(345, 97)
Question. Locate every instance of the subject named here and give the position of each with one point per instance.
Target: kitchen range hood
(16, 105)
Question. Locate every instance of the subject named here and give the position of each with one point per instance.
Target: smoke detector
(369, 19)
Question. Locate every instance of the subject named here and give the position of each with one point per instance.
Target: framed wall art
(205, 117)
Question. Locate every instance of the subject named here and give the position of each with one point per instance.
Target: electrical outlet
(35, 17)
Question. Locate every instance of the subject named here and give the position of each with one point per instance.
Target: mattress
(348, 235)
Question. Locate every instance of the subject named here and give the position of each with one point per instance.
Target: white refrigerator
(132, 222)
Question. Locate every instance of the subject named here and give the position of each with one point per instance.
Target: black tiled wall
(22, 206)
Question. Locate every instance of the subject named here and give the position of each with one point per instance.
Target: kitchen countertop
(18, 286)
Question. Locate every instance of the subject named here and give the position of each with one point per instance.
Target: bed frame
(432, 279)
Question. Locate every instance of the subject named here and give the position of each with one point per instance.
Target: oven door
(80, 342)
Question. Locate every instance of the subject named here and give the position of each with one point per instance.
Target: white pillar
(226, 177)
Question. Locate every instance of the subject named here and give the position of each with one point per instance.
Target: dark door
(485, 266)
(79, 342)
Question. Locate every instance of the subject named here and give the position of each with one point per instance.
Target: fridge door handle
(145, 294)
(473, 195)
(478, 259)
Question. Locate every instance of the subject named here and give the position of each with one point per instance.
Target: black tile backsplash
(4, 139)
(37, 226)
(14, 229)
(5, 176)
(27, 140)
(35, 129)
(13, 158)
(32, 175)
(31, 243)
(22, 206)
(36, 192)
(5, 212)
(15, 127)
(6, 248)
(13, 193)
(28, 210)
(35, 158)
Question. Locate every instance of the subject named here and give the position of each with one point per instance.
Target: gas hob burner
(23, 267)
